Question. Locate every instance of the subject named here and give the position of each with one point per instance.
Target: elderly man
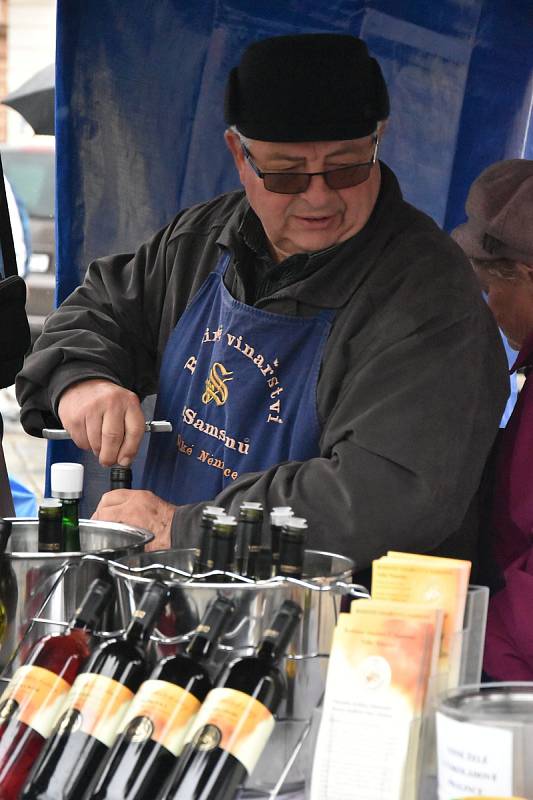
(498, 238)
(316, 341)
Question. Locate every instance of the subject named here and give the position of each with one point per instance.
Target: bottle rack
(320, 600)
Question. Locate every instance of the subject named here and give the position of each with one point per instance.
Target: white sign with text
(473, 760)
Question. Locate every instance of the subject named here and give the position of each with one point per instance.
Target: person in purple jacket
(498, 238)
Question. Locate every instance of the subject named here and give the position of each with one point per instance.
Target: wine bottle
(49, 530)
(120, 478)
(263, 563)
(235, 720)
(179, 616)
(153, 731)
(222, 555)
(34, 697)
(278, 515)
(95, 707)
(6, 529)
(249, 537)
(66, 482)
(292, 541)
(8, 597)
(201, 553)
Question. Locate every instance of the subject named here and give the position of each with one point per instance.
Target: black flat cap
(311, 87)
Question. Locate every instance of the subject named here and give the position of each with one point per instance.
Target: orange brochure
(377, 680)
(434, 582)
(463, 566)
(466, 565)
(414, 611)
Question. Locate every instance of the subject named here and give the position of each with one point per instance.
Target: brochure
(379, 668)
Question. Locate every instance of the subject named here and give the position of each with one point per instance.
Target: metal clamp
(353, 589)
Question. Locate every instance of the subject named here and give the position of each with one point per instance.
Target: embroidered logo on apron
(215, 385)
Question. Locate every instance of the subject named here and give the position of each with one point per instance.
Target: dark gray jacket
(410, 394)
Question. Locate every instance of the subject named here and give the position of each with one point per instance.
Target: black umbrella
(35, 100)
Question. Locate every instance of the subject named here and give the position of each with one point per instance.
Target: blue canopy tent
(139, 91)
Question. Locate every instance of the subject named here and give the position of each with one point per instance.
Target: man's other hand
(140, 509)
(105, 418)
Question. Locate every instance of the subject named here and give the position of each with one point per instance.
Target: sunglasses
(298, 182)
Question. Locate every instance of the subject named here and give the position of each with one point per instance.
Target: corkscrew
(150, 426)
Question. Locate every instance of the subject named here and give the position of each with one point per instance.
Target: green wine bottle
(249, 538)
(292, 540)
(49, 532)
(66, 482)
(120, 478)
(201, 553)
(222, 554)
(278, 516)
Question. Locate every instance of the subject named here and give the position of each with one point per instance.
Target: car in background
(30, 169)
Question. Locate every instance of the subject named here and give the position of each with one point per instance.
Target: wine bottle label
(95, 705)
(235, 722)
(36, 696)
(160, 711)
(290, 569)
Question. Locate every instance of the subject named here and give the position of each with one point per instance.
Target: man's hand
(105, 418)
(140, 509)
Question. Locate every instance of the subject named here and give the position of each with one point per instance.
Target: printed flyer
(378, 675)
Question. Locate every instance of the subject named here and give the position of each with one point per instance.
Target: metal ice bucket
(284, 763)
(51, 585)
(485, 738)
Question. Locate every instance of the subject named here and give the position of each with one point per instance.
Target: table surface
(428, 792)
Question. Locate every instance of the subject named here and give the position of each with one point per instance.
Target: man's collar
(253, 235)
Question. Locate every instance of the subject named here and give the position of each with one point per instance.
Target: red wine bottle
(235, 721)
(33, 699)
(153, 731)
(95, 707)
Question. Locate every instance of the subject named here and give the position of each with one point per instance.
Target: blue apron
(239, 386)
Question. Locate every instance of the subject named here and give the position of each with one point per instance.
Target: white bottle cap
(214, 510)
(280, 514)
(295, 523)
(225, 519)
(50, 502)
(66, 480)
